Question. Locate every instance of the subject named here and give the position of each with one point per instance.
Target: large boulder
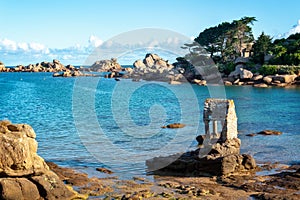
(23, 173)
(106, 66)
(240, 73)
(285, 78)
(154, 68)
(2, 67)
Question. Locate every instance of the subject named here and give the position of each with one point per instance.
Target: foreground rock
(24, 174)
(219, 154)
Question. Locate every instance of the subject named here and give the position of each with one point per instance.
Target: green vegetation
(227, 41)
(278, 69)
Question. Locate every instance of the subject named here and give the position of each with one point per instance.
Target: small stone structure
(218, 153)
(220, 111)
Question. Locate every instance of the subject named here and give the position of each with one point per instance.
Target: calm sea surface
(89, 122)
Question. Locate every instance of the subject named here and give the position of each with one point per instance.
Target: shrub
(268, 70)
(226, 68)
(278, 69)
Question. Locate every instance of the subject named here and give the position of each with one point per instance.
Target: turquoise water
(117, 124)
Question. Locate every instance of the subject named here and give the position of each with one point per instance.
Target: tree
(287, 51)
(262, 47)
(240, 36)
(227, 40)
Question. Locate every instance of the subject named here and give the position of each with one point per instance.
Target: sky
(37, 30)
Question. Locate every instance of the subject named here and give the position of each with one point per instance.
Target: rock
(267, 79)
(227, 83)
(257, 78)
(56, 74)
(261, 85)
(148, 60)
(248, 162)
(57, 62)
(216, 156)
(106, 66)
(175, 125)
(2, 67)
(269, 132)
(174, 82)
(139, 64)
(24, 174)
(52, 186)
(67, 74)
(285, 78)
(251, 134)
(236, 81)
(18, 188)
(154, 68)
(246, 74)
(19, 143)
(200, 139)
(104, 170)
(203, 83)
(196, 81)
(241, 73)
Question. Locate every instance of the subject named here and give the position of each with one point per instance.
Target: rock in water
(175, 125)
(106, 66)
(23, 173)
(269, 132)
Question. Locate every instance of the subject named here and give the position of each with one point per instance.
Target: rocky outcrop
(106, 66)
(23, 173)
(154, 68)
(54, 66)
(2, 67)
(218, 153)
(222, 160)
(240, 73)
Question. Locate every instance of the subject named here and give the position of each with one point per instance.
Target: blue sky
(55, 28)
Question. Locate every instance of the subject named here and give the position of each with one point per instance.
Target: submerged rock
(175, 125)
(269, 132)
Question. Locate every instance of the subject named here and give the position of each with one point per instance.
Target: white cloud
(95, 41)
(36, 46)
(295, 29)
(8, 44)
(13, 53)
(24, 46)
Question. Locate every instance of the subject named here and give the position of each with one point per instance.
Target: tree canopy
(227, 40)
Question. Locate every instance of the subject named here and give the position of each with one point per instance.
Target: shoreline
(252, 185)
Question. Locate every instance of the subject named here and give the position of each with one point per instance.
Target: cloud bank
(13, 53)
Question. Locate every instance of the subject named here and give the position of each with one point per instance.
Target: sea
(90, 122)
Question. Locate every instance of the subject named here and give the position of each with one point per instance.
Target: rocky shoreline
(155, 68)
(284, 183)
(25, 175)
